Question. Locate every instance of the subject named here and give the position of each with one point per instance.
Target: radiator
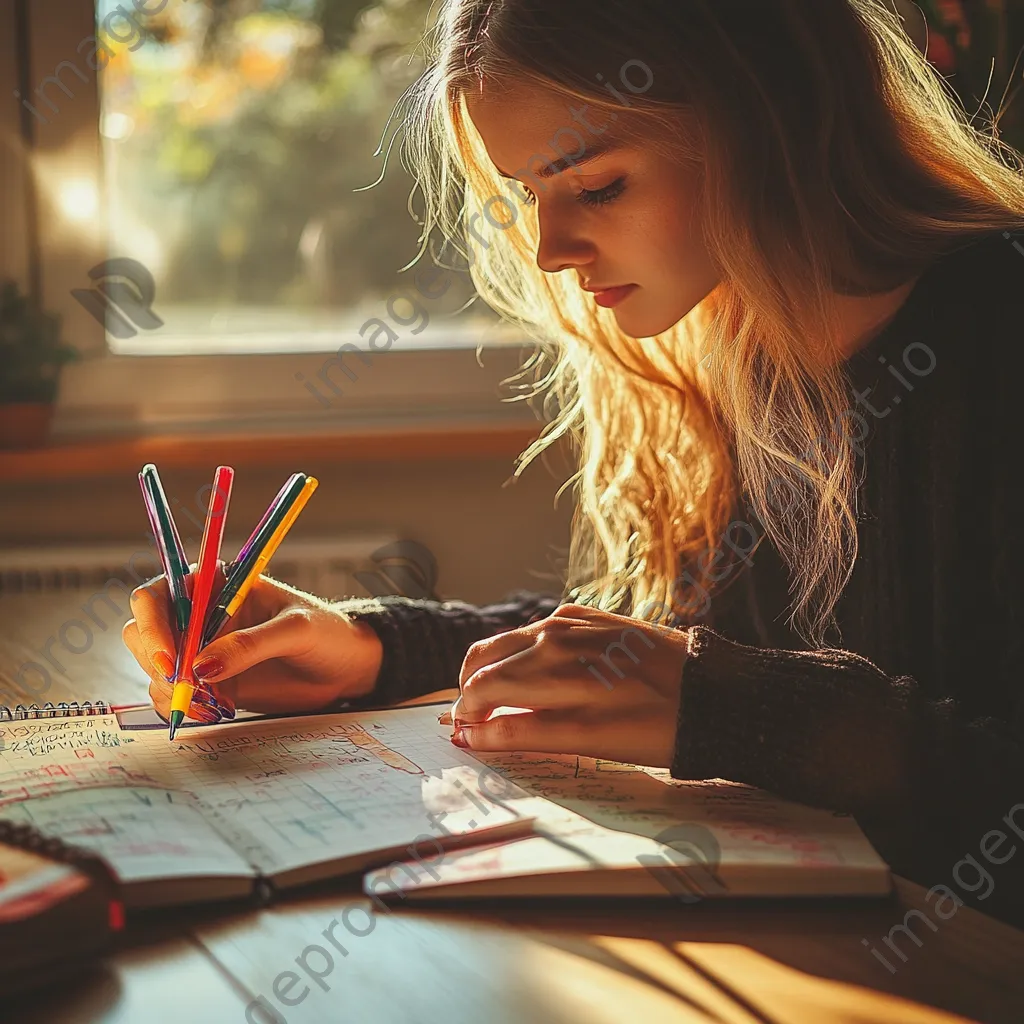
(330, 567)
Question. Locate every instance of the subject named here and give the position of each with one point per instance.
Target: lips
(612, 296)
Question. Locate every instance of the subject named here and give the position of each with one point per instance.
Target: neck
(863, 317)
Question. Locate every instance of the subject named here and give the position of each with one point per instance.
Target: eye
(531, 199)
(589, 197)
(600, 196)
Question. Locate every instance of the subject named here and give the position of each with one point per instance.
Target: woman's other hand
(592, 683)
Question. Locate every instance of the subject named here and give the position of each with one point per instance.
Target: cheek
(679, 231)
(662, 249)
(678, 249)
(660, 230)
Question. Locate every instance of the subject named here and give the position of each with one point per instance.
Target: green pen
(172, 553)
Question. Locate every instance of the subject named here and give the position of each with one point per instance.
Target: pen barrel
(182, 610)
(181, 697)
(218, 617)
(258, 551)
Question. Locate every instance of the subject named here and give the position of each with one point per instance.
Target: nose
(560, 247)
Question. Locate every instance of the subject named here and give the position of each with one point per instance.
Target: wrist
(368, 655)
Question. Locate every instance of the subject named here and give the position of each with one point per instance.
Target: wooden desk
(783, 962)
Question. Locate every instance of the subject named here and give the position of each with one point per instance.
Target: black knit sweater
(919, 733)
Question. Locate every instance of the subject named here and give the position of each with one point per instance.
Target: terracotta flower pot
(25, 424)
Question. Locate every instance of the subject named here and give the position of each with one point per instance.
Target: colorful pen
(172, 553)
(289, 503)
(202, 588)
(246, 548)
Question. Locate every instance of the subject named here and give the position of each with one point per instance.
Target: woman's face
(626, 216)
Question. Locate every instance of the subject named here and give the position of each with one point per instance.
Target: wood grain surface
(550, 962)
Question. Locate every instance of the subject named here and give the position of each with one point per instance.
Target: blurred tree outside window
(234, 135)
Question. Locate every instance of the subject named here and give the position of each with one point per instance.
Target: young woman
(773, 270)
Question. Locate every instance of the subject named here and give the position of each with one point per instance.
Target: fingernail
(207, 668)
(459, 738)
(445, 718)
(164, 664)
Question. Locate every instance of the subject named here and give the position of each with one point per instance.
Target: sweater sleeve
(830, 729)
(425, 642)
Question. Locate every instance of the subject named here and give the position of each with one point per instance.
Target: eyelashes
(600, 196)
(588, 197)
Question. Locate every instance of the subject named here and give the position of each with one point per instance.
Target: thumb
(235, 652)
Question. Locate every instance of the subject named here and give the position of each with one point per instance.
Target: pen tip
(175, 720)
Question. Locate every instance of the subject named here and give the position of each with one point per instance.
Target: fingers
(133, 641)
(540, 666)
(517, 682)
(565, 624)
(548, 732)
(152, 640)
(644, 736)
(495, 649)
(285, 634)
(151, 634)
(202, 708)
(160, 694)
(564, 619)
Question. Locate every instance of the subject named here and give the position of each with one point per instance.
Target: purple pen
(245, 548)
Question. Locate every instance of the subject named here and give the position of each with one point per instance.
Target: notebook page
(595, 814)
(289, 793)
(77, 778)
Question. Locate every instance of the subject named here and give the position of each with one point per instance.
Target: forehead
(517, 119)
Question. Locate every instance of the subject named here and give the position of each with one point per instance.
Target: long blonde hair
(836, 159)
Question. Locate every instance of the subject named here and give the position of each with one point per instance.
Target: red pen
(202, 590)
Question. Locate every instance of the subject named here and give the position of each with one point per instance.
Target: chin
(639, 323)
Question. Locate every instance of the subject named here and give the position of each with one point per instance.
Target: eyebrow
(564, 163)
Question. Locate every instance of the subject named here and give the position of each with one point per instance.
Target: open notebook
(226, 809)
(602, 828)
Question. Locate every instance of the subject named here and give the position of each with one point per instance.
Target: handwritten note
(599, 822)
(255, 795)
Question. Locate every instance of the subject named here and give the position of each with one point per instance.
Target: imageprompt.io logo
(403, 569)
(693, 875)
(122, 300)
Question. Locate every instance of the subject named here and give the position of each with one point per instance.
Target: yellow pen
(235, 593)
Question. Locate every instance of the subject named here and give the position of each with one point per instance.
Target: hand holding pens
(197, 617)
(176, 571)
(202, 590)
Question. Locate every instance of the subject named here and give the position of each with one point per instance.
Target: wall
(488, 538)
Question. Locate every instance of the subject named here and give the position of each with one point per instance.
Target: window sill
(117, 456)
(307, 394)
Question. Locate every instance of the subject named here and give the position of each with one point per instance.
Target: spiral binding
(28, 837)
(74, 709)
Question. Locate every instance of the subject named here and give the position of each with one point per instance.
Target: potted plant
(31, 355)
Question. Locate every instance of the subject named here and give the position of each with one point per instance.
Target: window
(227, 150)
